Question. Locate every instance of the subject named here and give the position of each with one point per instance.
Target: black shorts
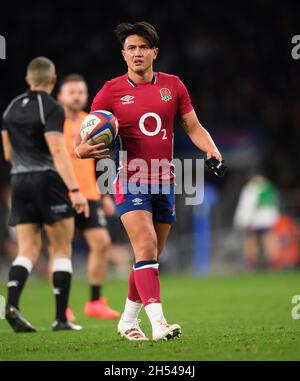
(96, 219)
(39, 198)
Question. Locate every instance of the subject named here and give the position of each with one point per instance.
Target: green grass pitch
(242, 317)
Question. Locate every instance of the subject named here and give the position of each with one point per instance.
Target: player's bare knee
(99, 243)
(61, 251)
(60, 242)
(30, 250)
(99, 249)
(105, 242)
(147, 250)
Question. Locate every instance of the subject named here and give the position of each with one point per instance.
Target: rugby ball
(99, 126)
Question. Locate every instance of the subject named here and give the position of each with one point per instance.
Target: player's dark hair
(74, 77)
(141, 28)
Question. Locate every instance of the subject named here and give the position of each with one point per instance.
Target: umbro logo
(137, 201)
(127, 99)
(152, 300)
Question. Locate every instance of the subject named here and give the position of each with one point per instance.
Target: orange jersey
(84, 169)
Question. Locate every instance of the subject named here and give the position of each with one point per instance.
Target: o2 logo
(296, 49)
(158, 125)
(2, 48)
(296, 309)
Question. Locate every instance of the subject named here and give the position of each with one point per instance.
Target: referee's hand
(80, 204)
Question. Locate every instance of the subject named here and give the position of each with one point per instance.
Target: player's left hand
(214, 152)
(108, 205)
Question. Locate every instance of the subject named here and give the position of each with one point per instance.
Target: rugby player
(145, 103)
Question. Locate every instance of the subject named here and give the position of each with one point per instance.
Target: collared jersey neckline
(153, 81)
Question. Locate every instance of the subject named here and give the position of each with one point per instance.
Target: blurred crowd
(235, 59)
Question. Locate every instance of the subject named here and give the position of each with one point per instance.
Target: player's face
(74, 95)
(138, 54)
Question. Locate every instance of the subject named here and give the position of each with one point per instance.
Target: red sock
(133, 294)
(147, 281)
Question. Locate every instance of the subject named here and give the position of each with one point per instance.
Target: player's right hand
(86, 151)
(80, 204)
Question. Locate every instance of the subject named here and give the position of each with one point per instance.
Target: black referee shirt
(27, 119)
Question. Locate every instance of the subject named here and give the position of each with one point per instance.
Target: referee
(44, 190)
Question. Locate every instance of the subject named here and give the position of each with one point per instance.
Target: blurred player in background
(42, 176)
(73, 96)
(145, 103)
(257, 213)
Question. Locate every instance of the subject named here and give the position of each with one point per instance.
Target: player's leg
(163, 207)
(251, 250)
(135, 211)
(139, 227)
(98, 240)
(50, 263)
(126, 202)
(69, 313)
(141, 232)
(60, 235)
(94, 229)
(29, 246)
(119, 256)
(58, 220)
(162, 233)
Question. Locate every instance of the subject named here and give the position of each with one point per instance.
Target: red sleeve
(102, 100)
(184, 100)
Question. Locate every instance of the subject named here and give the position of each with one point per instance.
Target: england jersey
(145, 112)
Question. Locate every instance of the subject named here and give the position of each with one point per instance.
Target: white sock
(62, 264)
(131, 311)
(155, 315)
(24, 262)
